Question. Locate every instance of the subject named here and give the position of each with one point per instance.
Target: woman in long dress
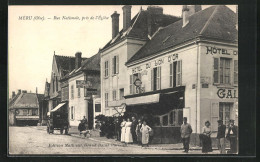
(138, 132)
(123, 130)
(128, 134)
(145, 129)
(206, 140)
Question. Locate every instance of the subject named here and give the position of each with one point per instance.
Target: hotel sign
(222, 51)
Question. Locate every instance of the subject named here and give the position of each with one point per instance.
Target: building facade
(188, 69)
(123, 45)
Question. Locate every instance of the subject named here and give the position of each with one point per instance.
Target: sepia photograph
(123, 80)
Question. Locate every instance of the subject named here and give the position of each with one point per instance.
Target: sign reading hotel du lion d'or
(223, 51)
(154, 63)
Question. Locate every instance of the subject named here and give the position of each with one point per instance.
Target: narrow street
(32, 140)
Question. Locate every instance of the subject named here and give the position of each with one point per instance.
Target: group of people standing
(133, 131)
(231, 134)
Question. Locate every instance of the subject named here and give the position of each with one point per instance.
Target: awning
(154, 98)
(57, 107)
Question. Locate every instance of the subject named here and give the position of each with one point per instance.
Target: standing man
(133, 128)
(117, 130)
(221, 137)
(186, 131)
(232, 136)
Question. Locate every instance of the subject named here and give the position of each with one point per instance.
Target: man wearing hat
(232, 136)
(186, 131)
(221, 137)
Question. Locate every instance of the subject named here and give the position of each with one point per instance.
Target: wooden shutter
(158, 85)
(216, 70)
(131, 84)
(171, 75)
(214, 115)
(179, 72)
(152, 81)
(117, 64)
(235, 72)
(113, 65)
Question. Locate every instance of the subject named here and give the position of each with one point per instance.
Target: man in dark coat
(232, 136)
(133, 129)
(221, 137)
(82, 128)
(117, 130)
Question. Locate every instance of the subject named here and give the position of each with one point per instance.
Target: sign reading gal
(227, 93)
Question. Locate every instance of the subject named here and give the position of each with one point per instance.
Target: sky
(31, 43)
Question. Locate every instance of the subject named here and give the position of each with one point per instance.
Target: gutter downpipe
(197, 86)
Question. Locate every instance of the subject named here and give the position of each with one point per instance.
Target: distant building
(61, 66)
(24, 108)
(79, 87)
(123, 45)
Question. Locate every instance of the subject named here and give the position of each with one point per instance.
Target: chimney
(126, 16)
(78, 60)
(36, 91)
(19, 91)
(115, 24)
(152, 11)
(13, 94)
(197, 8)
(185, 15)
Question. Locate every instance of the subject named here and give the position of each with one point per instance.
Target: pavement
(73, 131)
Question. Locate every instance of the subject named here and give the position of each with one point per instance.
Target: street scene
(123, 80)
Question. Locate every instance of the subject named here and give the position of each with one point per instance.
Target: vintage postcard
(123, 80)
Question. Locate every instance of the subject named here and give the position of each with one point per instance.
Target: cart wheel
(66, 131)
(61, 131)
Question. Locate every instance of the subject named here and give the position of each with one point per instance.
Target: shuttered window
(72, 91)
(214, 116)
(114, 95)
(224, 69)
(131, 84)
(115, 65)
(106, 72)
(215, 73)
(156, 78)
(235, 72)
(176, 74)
(106, 99)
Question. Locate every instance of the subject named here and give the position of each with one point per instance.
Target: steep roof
(93, 63)
(66, 63)
(26, 100)
(139, 26)
(217, 22)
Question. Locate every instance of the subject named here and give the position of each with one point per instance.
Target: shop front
(163, 111)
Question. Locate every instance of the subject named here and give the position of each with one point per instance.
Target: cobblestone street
(35, 140)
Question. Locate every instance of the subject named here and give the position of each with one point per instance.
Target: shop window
(106, 69)
(114, 95)
(97, 108)
(165, 120)
(235, 72)
(171, 118)
(106, 99)
(156, 78)
(176, 73)
(35, 112)
(115, 65)
(180, 117)
(122, 94)
(133, 88)
(224, 112)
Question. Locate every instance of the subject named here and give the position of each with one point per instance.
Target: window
(97, 108)
(165, 120)
(121, 93)
(25, 112)
(72, 91)
(115, 64)
(180, 117)
(34, 112)
(106, 99)
(156, 78)
(79, 92)
(56, 83)
(221, 72)
(235, 72)
(106, 69)
(114, 95)
(176, 73)
(133, 88)
(72, 113)
(224, 112)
